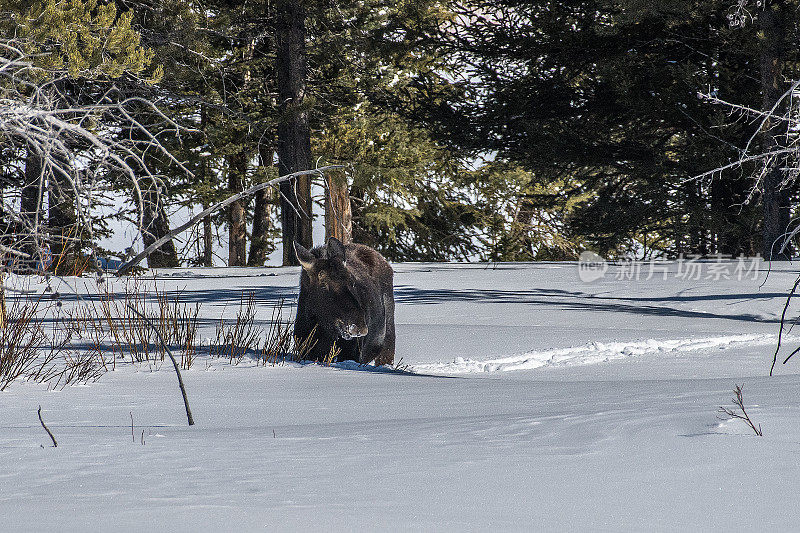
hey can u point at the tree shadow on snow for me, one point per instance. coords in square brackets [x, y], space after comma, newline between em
[261, 295]
[580, 301]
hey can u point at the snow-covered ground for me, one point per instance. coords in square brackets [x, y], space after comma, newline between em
[540, 402]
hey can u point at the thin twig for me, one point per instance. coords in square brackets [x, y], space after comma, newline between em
[172, 358]
[780, 331]
[791, 354]
[55, 444]
[738, 401]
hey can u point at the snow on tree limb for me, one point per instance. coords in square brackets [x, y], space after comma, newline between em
[12, 251]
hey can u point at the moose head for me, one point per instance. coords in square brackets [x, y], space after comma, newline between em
[332, 290]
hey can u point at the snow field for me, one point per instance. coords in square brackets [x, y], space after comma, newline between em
[573, 407]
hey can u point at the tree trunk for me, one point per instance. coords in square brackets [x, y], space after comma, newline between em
[697, 223]
[775, 197]
[527, 210]
[156, 225]
[338, 214]
[259, 237]
[62, 216]
[4, 220]
[208, 257]
[237, 221]
[294, 136]
[62, 223]
[3, 312]
[155, 221]
[359, 230]
[723, 216]
[31, 205]
[205, 177]
[724, 191]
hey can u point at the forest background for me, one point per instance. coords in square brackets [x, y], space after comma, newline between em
[480, 131]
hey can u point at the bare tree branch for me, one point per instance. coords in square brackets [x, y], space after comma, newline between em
[80, 146]
[783, 321]
[125, 267]
[11, 251]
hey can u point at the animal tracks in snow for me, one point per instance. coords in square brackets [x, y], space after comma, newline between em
[593, 353]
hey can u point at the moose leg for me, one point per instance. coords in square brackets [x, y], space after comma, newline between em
[385, 355]
[380, 349]
[348, 350]
[369, 351]
[372, 344]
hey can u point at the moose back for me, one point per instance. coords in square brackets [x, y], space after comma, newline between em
[346, 292]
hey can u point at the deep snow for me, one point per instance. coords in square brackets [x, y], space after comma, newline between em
[542, 403]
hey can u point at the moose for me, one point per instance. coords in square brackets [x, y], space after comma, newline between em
[346, 297]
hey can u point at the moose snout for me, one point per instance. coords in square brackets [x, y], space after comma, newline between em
[349, 330]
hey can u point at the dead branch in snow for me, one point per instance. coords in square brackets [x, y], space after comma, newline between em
[738, 401]
[174, 363]
[39, 412]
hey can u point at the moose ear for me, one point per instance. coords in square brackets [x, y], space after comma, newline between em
[335, 249]
[304, 256]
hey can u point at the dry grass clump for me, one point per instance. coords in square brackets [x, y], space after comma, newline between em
[331, 356]
[45, 342]
[115, 322]
[29, 351]
[280, 344]
[235, 339]
[302, 347]
[278, 341]
[177, 323]
[22, 337]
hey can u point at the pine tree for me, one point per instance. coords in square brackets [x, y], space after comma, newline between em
[294, 135]
[409, 194]
[599, 99]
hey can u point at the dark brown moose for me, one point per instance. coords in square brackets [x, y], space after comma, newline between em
[346, 293]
